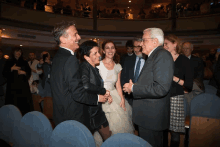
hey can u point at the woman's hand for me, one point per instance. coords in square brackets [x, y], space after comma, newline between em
[122, 104]
[175, 79]
[21, 72]
[110, 99]
[107, 93]
[14, 67]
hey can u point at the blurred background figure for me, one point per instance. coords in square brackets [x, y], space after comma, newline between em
[45, 65]
[130, 51]
[41, 5]
[18, 72]
[2, 80]
[196, 63]
[86, 10]
[33, 65]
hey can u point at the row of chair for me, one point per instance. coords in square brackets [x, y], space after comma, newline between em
[34, 129]
[204, 127]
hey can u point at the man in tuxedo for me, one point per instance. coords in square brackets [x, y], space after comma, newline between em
[69, 97]
[151, 92]
[132, 67]
[129, 47]
[196, 62]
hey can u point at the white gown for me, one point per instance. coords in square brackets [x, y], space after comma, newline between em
[120, 121]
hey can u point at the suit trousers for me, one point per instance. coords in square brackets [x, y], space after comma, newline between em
[154, 138]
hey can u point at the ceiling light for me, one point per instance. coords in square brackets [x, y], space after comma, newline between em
[129, 1]
[128, 7]
[3, 29]
[21, 45]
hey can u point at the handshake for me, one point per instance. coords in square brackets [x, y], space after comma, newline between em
[106, 97]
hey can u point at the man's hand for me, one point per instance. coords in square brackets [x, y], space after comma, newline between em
[21, 72]
[127, 87]
[102, 98]
[41, 61]
[14, 67]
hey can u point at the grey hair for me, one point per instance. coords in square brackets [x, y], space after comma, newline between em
[191, 45]
[137, 38]
[156, 33]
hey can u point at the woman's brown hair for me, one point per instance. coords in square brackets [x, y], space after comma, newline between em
[116, 57]
[174, 39]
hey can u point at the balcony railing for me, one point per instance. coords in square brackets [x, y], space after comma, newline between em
[49, 18]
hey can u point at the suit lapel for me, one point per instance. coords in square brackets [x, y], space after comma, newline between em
[149, 59]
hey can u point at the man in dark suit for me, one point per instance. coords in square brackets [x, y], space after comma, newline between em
[130, 65]
[196, 62]
[129, 47]
[69, 97]
[151, 105]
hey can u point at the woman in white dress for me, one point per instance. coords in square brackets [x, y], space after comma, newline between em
[118, 113]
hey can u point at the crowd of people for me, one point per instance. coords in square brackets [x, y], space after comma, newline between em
[163, 11]
[140, 93]
[21, 78]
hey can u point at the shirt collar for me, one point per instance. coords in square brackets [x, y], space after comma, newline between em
[151, 52]
[68, 50]
[130, 54]
[189, 56]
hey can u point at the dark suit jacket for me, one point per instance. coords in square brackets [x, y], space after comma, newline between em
[123, 57]
[127, 72]
[197, 67]
[151, 105]
[69, 96]
[94, 86]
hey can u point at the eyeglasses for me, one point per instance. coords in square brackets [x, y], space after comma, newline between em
[136, 46]
[146, 39]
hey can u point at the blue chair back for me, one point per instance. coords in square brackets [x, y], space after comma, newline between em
[205, 105]
[125, 140]
[210, 89]
[71, 133]
[10, 117]
[34, 130]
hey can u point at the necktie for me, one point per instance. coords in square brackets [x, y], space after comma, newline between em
[136, 74]
[31, 62]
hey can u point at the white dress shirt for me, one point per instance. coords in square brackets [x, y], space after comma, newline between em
[68, 50]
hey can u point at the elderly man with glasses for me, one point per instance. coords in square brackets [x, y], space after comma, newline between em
[151, 91]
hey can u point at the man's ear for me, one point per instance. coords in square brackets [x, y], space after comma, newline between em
[63, 39]
[86, 58]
